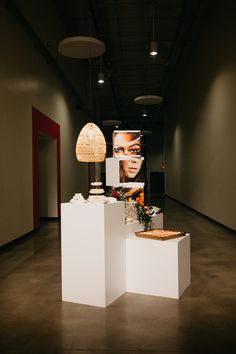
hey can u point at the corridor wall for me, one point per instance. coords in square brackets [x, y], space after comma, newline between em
[200, 134]
[27, 81]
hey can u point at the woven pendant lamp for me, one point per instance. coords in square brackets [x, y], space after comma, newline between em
[91, 144]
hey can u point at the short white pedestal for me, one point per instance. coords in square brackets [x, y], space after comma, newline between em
[93, 253]
[160, 268]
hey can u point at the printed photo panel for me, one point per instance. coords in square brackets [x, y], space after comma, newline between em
[131, 171]
[132, 193]
[126, 143]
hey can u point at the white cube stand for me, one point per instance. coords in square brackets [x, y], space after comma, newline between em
[102, 258]
[155, 267]
[93, 252]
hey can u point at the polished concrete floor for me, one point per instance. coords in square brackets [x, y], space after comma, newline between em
[34, 320]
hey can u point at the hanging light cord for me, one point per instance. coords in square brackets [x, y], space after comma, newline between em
[153, 23]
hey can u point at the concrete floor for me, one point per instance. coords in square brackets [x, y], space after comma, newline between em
[34, 320]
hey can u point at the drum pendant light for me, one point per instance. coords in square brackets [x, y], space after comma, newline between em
[81, 47]
[91, 144]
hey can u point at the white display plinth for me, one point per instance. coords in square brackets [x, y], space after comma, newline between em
[102, 258]
[160, 268]
[93, 252]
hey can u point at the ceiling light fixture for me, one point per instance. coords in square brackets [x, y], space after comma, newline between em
[144, 114]
[153, 43]
[91, 144]
[101, 78]
[101, 74]
[146, 132]
[112, 122]
[81, 47]
[153, 48]
[148, 99]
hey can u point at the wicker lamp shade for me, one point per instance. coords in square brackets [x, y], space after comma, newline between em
[91, 144]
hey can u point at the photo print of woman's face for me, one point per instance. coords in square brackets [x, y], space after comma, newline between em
[132, 170]
[127, 142]
[133, 192]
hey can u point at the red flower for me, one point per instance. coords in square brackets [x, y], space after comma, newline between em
[115, 194]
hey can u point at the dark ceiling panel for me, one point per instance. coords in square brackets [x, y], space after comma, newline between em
[126, 27]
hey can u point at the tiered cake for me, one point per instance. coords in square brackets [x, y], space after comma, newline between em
[96, 189]
[96, 192]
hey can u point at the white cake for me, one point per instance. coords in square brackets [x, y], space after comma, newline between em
[96, 184]
[96, 189]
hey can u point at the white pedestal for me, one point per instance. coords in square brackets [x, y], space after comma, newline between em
[93, 253]
[102, 258]
[160, 268]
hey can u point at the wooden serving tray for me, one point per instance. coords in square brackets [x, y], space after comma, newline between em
[160, 234]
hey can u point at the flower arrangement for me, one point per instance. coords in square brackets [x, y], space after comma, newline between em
[117, 194]
[145, 212]
[136, 209]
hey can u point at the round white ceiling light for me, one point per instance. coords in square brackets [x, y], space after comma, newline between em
[81, 47]
[111, 122]
[148, 99]
[146, 132]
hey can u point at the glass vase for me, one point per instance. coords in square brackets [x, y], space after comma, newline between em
[147, 225]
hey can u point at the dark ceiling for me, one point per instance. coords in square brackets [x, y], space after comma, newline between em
[126, 27]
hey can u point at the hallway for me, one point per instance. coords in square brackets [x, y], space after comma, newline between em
[34, 320]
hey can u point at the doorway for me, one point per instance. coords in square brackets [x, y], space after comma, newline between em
[46, 167]
[47, 176]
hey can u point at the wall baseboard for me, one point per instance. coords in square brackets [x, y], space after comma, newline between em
[201, 214]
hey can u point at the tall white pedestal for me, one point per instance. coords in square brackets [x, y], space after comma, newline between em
[93, 253]
[160, 268]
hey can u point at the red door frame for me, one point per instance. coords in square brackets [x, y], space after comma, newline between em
[41, 123]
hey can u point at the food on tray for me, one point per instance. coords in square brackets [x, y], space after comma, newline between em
[160, 234]
[163, 233]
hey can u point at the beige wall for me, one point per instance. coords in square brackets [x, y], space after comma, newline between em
[27, 80]
[201, 124]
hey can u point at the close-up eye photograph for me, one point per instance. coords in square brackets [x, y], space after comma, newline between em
[126, 143]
